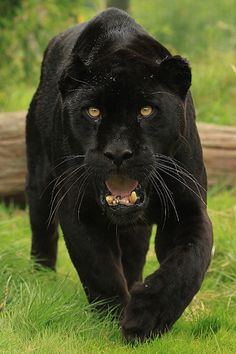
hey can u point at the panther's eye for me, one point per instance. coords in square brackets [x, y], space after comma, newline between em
[146, 111]
[94, 112]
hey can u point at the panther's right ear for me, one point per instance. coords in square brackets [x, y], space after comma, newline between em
[71, 76]
[175, 73]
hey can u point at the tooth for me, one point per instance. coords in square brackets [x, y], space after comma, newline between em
[124, 201]
[133, 197]
[109, 199]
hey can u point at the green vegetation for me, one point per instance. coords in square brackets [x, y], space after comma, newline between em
[202, 31]
[24, 36]
[205, 33]
[47, 312]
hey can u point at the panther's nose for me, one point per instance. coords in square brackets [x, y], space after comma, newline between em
[118, 155]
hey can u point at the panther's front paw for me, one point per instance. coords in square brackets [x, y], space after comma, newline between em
[143, 317]
[137, 324]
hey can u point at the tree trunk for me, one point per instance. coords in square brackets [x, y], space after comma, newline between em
[120, 4]
[219, 149]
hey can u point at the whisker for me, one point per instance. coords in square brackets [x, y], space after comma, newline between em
[82, 197]
[162, 197]
[80, 81]
[197, 185]
[179, 180]
[181, 168]
[83, 186]
[167, 191]
[56, 179]
[60, 181]
[54, 210]
[68, 158]
[159, 192]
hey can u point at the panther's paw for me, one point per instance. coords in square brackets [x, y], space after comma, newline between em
[143, 316]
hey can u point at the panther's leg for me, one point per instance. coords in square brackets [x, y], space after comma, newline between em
[39, 190]
[134, 243]
[44, 236]
[184, 251]
[95, 253]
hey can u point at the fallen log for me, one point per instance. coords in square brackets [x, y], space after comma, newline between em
[12, 153]
[219, 149]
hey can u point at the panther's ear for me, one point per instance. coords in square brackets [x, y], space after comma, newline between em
[71, 76]
[175, 73]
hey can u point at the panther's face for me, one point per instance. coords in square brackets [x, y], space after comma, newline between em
[121, 115]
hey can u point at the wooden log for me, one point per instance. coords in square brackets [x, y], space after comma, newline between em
[12, 153]
[219, 149]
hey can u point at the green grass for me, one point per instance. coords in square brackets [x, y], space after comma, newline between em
[47, 312]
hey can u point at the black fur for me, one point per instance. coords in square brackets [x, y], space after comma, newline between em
[113, 64]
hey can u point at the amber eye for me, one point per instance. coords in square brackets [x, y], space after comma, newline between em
[146, 111]
[94, 112]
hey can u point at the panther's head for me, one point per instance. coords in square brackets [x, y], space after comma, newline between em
[122, 111]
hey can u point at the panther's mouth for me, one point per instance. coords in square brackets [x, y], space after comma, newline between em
[123, 191]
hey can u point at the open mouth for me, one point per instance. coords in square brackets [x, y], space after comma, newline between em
[123, 191]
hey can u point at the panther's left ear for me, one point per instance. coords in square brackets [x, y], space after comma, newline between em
[175, 73]
[71, 75]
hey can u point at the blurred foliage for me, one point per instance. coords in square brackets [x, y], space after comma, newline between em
[8, 10]
[25, 36]
[205, 33]
[191, 27]
[202, 31]
[120, 4]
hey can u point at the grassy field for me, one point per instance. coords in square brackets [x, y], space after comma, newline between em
[47, 312]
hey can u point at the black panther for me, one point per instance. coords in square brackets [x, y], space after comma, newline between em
[113, 149]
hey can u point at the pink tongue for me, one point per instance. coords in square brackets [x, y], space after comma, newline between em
[120, 185]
